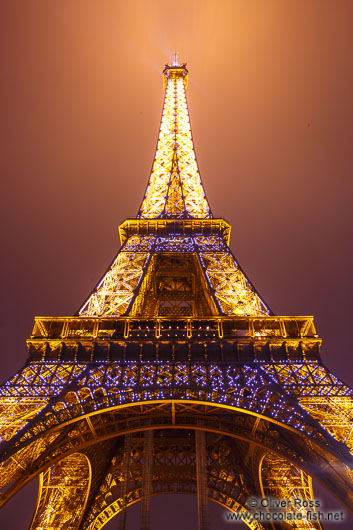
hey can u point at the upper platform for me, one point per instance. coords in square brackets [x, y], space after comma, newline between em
[175, 71]
[174, 227]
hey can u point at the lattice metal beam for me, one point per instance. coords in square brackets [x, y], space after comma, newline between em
[147, 481]
[125, 476]
[64, 489]
[201, 472]
[283, 480]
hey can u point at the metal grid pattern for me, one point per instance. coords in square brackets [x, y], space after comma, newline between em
[63, 493]
[281, 479]
[231, 290]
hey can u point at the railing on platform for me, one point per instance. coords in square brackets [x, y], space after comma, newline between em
[169, 328]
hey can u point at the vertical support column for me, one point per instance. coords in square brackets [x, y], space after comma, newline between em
[201, 471]
[147, 480]
[125, 481]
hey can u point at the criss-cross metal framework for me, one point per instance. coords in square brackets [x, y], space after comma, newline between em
[174, 376]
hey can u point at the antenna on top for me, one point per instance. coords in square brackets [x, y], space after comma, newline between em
[175, 62]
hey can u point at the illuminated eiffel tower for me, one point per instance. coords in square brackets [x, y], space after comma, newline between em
[174, 376]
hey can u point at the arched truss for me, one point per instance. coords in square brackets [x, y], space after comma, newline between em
[281, 479]
[283, 392]
[115, 509]
[63, 493]
[230, 483]
[315, 455]
[173, 471]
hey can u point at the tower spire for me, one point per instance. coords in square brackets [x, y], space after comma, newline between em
[175, 188]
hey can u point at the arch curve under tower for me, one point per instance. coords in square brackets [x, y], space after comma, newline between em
[259, 431]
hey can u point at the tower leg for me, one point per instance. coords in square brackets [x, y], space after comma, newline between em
[201, 471]
[63, 493]
[125, 480]
[147, 481]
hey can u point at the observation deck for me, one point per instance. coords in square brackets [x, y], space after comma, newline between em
[238, 339]
[175, 227]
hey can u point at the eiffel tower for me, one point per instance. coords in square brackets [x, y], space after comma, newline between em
[174, 376]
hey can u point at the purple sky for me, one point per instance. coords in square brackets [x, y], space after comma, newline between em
[270, 98]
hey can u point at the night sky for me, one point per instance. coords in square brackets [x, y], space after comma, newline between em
[270, 99]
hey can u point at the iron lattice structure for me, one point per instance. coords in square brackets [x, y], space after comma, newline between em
[174, 376]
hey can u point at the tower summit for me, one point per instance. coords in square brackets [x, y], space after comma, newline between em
[174, 376]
